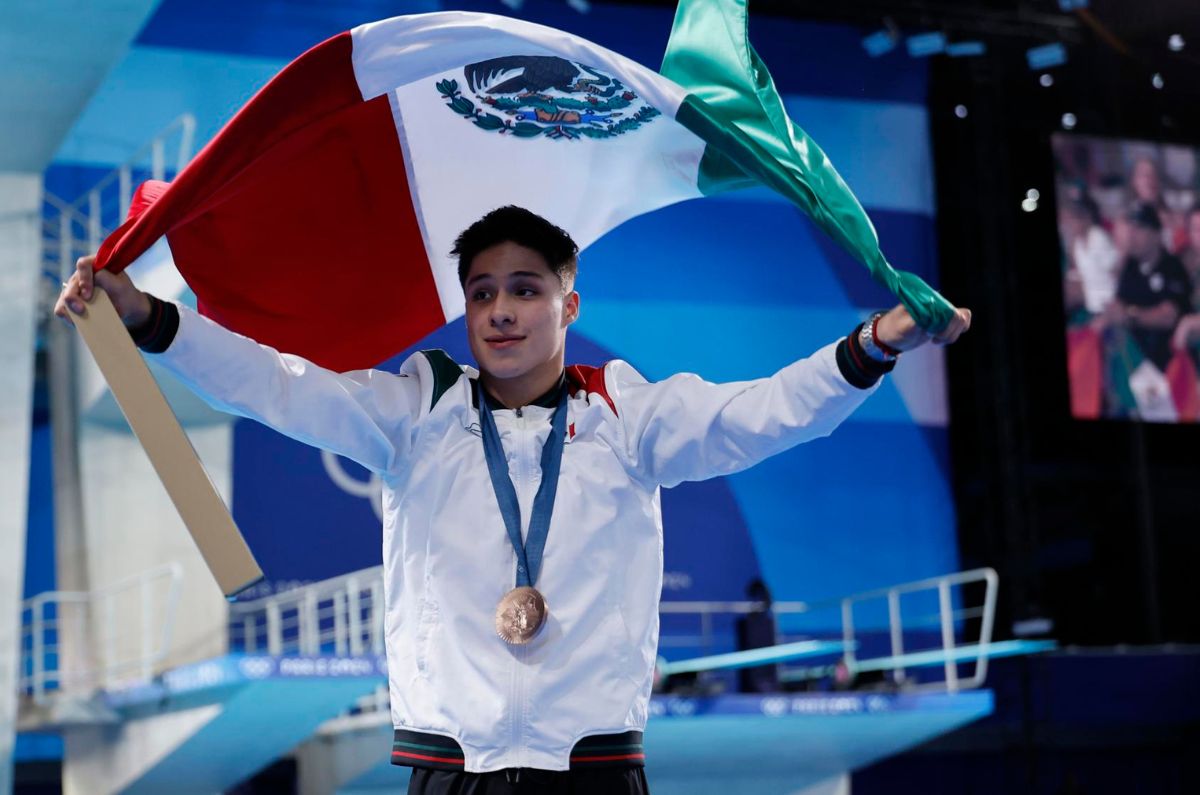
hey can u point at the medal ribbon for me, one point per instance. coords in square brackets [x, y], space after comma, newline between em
[529, 554]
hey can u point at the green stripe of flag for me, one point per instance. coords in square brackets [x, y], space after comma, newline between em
[734, 107]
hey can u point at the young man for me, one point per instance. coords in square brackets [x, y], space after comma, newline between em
[1153, 291]
[522, 532]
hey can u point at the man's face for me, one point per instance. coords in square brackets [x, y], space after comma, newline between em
[1146, 185]
[1144, 242]
[517, 312]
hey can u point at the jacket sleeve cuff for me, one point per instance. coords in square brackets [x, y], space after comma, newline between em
[158, 331]
[859, 369]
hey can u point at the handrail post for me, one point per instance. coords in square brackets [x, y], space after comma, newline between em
[94, 220]
[311, 623]
[339, 623]
[897, 632]
[249, 634]
[125, 186]
[38, 668]
[991, 580]
[274, 629]
[187, 133]
[354, 616]
[158, 166]
[65, 265]
[848, 633]
[947, 635]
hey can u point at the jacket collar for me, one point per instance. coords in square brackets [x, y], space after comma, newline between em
[547, 400]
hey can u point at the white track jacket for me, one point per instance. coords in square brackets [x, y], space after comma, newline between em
[460, 697]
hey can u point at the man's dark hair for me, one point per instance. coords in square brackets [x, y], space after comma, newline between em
[517, 225]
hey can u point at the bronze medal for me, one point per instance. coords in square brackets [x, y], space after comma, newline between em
[522, 612]
[520, 615]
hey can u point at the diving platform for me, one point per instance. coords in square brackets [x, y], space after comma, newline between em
[202, 728]
[307, 679]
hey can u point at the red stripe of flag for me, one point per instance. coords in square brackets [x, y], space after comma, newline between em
[1085, 368]
[1185, 391]
[295, 226]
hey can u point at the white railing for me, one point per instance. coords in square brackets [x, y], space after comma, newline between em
[342, 616]
[72, 229]
[950, 652]
[130, 626]
[948, 620]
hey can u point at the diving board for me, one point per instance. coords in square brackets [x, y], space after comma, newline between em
[748, 659]
[925, 659]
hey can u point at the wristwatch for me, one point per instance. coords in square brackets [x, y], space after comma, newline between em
[866, 338]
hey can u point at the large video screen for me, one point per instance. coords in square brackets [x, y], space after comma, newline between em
[1129, 224]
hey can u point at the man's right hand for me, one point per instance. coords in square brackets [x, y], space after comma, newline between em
[131, 303]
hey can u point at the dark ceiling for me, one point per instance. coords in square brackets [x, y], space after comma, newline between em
[1134, 32]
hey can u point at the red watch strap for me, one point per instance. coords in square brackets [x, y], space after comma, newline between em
[887, 349]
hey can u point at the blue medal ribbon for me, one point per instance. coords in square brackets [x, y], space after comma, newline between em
[529, 554]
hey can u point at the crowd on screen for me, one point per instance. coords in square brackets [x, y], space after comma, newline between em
[1129, 221]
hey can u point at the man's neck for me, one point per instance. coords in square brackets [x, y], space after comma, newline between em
[524, 389]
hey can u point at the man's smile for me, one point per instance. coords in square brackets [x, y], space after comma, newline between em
[502, 341]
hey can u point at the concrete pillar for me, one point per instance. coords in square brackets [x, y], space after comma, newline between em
[20, 257]
[132, 526]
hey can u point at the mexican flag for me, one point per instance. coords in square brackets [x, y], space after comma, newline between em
[1085, 369]
[320, 219]
[1185, 385]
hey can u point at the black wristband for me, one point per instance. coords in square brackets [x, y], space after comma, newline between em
[859, 369]
[155, 333]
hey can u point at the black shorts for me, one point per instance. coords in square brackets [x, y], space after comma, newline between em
[595, 781]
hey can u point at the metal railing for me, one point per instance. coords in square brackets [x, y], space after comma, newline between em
[948, 619]
[342, 616]
[72, 229]
[130, 626]
[951, 651]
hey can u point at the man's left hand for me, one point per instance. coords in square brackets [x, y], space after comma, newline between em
[898, 330]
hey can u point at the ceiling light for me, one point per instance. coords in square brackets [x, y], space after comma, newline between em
[879, 43]
[1046, 56]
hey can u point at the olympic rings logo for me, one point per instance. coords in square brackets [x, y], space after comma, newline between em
[371, 489]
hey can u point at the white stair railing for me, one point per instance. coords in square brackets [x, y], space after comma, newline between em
[339, 616]
[130, 624]
[73, 229]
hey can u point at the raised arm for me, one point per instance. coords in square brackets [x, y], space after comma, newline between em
[365, 415]
[685, 428]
